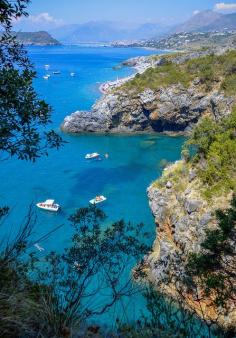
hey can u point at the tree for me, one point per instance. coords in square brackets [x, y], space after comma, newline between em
[214, 266]
[46, 298]
[23, 116]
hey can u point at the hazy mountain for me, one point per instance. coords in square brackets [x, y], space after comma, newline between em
[207, 21]
[199, 22]
[224, 22]
[105, 31]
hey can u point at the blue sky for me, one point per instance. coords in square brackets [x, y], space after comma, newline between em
[49, 13]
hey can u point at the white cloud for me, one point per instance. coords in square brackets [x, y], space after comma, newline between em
[42, 21]
[222, 6]
[43, 18]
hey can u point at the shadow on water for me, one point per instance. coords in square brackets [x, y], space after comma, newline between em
[99, 178]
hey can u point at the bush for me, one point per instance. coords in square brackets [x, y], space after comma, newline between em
[215, 149]
[213, 265]
[209, 69]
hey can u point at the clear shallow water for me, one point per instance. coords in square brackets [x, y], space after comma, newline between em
[65, 175]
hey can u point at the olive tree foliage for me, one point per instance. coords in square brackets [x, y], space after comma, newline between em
[95, 272]
[57, 295]
[23, 116]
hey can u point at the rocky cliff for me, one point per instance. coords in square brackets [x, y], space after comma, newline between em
[182, 217]
[174, 107]
[168, 109]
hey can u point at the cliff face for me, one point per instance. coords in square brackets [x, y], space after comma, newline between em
[175, 107]
[182, 217]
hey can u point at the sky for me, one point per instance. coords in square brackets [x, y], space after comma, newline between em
[49, 14]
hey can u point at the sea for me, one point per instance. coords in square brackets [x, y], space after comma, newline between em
[134, 161]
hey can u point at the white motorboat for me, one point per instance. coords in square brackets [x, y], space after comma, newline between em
[49, 205]
[46, 77]
[46, 67]
[57, 72]
[92, 156]
[98, 199]
[72, 74]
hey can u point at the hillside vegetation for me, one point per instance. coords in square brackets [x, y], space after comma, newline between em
[215, 160]
[211, 70]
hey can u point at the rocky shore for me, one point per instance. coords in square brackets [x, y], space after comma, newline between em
[181, 213]
[166, 109]
[140, 65]
[182, 216]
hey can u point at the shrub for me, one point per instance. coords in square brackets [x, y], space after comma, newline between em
[215, 145]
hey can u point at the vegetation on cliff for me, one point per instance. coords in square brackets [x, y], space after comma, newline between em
[213, 268]
[194, 207]
[215, 160]
[211, 70]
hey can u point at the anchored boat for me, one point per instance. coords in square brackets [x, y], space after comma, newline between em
[48, 205]
[92, 156]
[98, 199]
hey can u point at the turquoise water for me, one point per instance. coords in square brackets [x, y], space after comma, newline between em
[133, 163]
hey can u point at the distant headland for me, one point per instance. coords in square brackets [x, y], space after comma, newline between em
[40, 38]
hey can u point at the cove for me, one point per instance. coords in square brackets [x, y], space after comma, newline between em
[133, 163]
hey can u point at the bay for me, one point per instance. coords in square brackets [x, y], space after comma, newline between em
[133, 163]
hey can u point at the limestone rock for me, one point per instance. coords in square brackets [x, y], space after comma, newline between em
[174, 108]
[192, 205]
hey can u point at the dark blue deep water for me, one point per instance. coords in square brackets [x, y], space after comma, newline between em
[134, 161]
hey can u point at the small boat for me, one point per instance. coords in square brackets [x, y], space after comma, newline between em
[98, 199]
[46, 67]
[38, 247]
[72, 74]
[46, 77]
[57, 72]
[92, 156]
[48, 205]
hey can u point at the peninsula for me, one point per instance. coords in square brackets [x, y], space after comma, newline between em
[170, 94]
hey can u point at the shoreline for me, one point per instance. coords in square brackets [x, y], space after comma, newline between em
[140, 64]
[107, 86]
[130, 134]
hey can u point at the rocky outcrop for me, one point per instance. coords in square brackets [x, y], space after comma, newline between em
[182, 217]
[174, 108]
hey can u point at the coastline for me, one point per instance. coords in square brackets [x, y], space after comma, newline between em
[140, 64]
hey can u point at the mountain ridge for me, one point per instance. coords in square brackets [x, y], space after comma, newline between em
[108, 31]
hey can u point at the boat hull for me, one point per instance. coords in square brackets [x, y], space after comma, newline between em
[94, 201]
[92, 156]
[48, 208]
